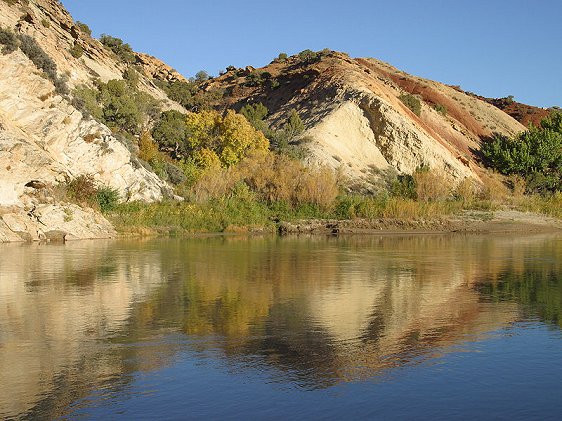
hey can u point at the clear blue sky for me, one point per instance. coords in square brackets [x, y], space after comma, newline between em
[492, 47]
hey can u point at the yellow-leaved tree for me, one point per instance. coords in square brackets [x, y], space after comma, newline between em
[214, 138]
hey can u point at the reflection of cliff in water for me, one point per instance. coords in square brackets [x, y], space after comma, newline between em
[85, 316]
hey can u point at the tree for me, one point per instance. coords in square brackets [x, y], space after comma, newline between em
[124, 107]
[171, 133]
[255, 114]
[120, 48]
[201, 76]
[230, 137]
[535, 154]
[294, 125]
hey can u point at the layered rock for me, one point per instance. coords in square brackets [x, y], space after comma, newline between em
[356, 123]
[44, 140]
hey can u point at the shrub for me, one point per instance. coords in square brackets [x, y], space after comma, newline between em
[294, 125]
[131, 76]
[84, 28]
[255, 114]
[430, 185]
[81, 189]
[120, 48]
[412, 102]
[175, 174]
[404, 185]
[36, 54]
[535, 154]
[181, 92]
[282, 57]
[107, 198]
[42, 61]
[255, 78]
[308, 56]
[8, 40]
[441, 109]
[45, 23]
[76, 50]
[85, 100]
[278, 178]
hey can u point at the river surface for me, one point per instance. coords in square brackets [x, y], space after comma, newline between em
[359, 327]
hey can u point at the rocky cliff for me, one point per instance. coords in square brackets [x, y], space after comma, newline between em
[43, 138]
[356, 120]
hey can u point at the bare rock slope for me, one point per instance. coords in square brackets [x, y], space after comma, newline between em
[43, 138]
[356, 122]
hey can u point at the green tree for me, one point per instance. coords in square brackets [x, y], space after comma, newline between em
[171, 133]
[120, 48]
[294, 125]
[535, 154]
[255, 114]
[201, 76]
[124, 107]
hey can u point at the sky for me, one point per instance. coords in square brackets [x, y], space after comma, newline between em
[494, 48]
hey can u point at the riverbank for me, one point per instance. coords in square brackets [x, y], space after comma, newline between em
[238, 217]
[504, 221]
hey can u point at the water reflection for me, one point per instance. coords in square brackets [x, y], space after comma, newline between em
[86, 316]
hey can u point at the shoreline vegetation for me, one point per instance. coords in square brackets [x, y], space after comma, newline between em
[352, 215]
[235, 173]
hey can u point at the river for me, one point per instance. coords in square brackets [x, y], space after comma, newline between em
[421, 326]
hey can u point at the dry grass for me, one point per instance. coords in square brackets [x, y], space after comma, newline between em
[431, 186]
[272, 178]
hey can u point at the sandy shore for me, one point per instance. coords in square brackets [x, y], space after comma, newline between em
[504, 221]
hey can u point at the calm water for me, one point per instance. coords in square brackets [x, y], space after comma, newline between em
[425, 327]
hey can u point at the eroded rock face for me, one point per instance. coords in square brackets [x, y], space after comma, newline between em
[44, 140]
[356, 123]
[50, 222]
[157, 69]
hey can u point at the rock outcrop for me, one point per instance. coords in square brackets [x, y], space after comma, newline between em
[44, 139]
[50, 222]
[356, 122]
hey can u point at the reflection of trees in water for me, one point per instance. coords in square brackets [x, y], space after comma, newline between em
[539, 292]
[268, 299]
[318, 310]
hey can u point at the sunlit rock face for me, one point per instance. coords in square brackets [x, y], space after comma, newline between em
[44, 139]
[75, 318]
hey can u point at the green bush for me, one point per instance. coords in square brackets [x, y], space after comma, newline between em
[181, 92]
[412, 102]
[120, 48]
[107, 198]
[282, 57]
[76, 50]
[255, 114]
[84, 28]
[42, 61]
[535, 154]
[441, 109]
[85, 100]
[8, 40]
[294, 125]
[308, 56]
